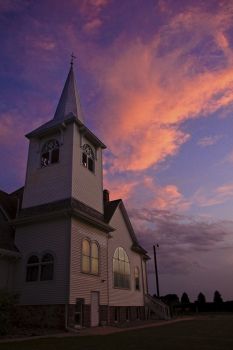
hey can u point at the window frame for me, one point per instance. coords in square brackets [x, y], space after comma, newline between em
[31, 265]
[51, 152]
[46, 263]
[91, 257]
[126, 285]
[40, 264]
[88, 152]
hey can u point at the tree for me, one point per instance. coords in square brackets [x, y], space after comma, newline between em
[170, 299]
[185, 299]
[201, 299]
[217, 297]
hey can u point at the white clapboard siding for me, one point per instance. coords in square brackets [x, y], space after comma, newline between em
[48, 236]
[81, 284]
[121, 238]
[53, 182]
[86, 185]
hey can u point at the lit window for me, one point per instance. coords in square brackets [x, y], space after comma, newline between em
[50, 153]
[90, 257]
[88, 158]
[136, 278]
[47, 264]
[121, 269]
[32, 269]
[86, 254]
[94, 258]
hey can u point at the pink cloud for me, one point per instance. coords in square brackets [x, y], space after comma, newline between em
[148, 95]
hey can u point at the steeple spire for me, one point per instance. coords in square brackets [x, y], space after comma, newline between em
[69, 102]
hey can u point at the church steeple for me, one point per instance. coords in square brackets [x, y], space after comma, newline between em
[69, 102]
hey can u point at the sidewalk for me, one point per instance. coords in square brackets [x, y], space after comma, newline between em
[105, 330]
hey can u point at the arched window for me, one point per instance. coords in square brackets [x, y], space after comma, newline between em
[88, 158]
[47, 267]
[136, 278]
[90, 257]
[94, 258]
[32, 269]
[121, 269]
[50, 153]
[86, 255]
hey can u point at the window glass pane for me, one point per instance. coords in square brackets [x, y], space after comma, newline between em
[121, 269]
[85, 263]
[45, 159]
[46, 273]
[121, 254]
[55, 156]
[32, 273]
[94, 250]
[84, 159]
[33, 259]
[95, 266]
[90, 164]
[86, 248]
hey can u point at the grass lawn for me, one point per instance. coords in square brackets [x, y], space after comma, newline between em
[209, 334]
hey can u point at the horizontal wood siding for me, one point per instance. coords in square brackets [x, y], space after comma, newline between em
[121, 238]
[81, 284]
[87, 186]
[53, 182]
[51, 236]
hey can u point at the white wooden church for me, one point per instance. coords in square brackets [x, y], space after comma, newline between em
[69, 252]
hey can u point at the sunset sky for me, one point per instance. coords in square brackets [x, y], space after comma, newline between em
[156, 84]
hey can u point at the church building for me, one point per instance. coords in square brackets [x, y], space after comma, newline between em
[66, 249]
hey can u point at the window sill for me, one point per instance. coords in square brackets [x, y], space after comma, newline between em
[91, 274]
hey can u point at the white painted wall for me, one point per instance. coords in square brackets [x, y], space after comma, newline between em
[53, 182]
[52, 236]
[81, 284]
[121, 238]
[86, 185]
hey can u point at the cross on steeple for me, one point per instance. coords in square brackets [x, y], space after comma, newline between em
[72, 59]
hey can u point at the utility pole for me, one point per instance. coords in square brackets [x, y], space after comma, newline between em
[156, 270]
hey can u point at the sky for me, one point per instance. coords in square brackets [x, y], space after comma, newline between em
[156, 84]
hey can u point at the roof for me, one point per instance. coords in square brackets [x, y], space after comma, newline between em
[68, 111]
[109, 210]
[70, 206]
[69, 101]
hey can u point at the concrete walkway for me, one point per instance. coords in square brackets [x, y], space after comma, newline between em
[100, 330]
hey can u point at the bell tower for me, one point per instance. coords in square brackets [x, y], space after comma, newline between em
[65, 157]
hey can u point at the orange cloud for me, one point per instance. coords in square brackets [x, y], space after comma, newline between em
[151, 90]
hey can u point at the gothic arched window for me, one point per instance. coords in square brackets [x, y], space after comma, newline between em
[121, 269]
[32, 269]
[50, 153]
[90, 257]
[47, 266]
[88, 158]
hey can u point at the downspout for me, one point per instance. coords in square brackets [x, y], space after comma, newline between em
[108, 317]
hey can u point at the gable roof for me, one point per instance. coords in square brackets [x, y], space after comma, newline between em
[109, 210]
